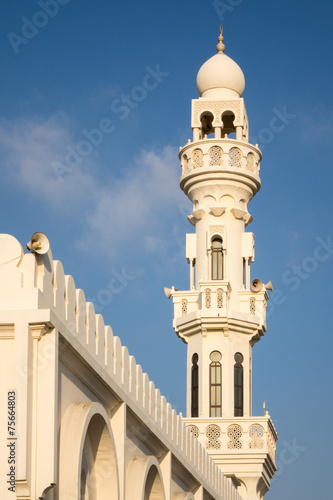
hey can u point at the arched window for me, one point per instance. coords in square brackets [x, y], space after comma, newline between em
[206, 119]
[228, 123]
[217, 258]
[195, 386]
[238, 385]
[215, 382]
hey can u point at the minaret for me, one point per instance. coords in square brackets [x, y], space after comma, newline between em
[223, 314]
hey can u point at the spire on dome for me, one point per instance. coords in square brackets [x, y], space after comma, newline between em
[220, 47]
[220, 76]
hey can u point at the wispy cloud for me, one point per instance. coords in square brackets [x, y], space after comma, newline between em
[29, 146]
[135, 209]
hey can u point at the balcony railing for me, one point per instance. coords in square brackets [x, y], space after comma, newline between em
[222, 154]
[212, 299]
[238, 435]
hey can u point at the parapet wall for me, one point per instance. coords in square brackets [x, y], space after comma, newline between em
[30, 282]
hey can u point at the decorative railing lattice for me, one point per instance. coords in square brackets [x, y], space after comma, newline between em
[230, 436]
[218, 157]
[256, 433]
[208, 298]
[213, 433]
[234, 434]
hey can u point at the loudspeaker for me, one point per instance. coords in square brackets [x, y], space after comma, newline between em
[256, 285]
[269, 286]
[168, 291]
[39, 243]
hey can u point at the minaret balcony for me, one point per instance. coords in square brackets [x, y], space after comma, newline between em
[214, 297]
[196, 311]
[239, 441]
[228, 159]
[210, 301]
[255, 304]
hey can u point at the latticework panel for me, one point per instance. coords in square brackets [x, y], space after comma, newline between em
[184, 306]
[250, 162]
[256, 433]
[215, 156]
[208, 298]
[213, 433]
[234, 434]
[252, 305]
[195, 430]
[271, 445]
[219, 298]
[197, 158]
[235, 157]
[216, 230]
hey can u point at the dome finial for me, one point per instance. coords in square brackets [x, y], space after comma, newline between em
[220, 47]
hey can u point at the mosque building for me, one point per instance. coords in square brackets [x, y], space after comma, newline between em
[79, 419]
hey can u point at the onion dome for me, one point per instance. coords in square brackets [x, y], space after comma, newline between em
[220, 76]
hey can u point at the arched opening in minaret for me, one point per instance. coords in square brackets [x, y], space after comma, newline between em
[215, 384]
[217, 258]
[195, 386]
[228, 127]
[238, 385]
[207, 128]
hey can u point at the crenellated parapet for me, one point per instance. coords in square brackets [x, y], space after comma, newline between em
[50, 322]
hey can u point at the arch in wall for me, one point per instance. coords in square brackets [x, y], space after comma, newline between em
[87, 466]
[195, 386]
[228, 119]
[217, 268]
[144, 479]
[238, 385]
[206, 121]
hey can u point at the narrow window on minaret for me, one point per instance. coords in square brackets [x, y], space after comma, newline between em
[215, 382]
[217, 259]
[238, 384]
[195, 386]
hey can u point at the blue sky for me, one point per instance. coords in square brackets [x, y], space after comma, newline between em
[117, 209]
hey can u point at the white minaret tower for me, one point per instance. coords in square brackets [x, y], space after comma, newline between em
[223, 314]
